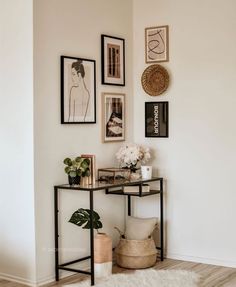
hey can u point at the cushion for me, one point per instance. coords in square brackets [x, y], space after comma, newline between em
[139, 228]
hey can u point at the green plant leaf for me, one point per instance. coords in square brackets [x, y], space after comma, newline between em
[95, 214]
[79, 172]
[97, 224]
[78, 159]
[67, 169]
[81, 217]
[72, 173]
[84, 164]
[67, 161]
[87, 172]
[87, 161]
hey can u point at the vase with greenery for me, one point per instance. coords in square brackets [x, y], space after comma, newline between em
[102, 241]
[76, 168]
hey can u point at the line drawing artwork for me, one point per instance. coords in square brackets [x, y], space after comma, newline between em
[157, 44]
[79, 96]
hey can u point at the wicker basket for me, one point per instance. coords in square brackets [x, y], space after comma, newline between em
[136, 254]
[155, 80]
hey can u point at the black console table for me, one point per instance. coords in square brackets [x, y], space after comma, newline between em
[110, 188]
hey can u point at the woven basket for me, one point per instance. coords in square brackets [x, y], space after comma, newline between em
[136, 254]
[155, 80]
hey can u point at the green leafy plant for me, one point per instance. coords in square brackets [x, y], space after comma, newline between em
[81, 217]
[77, 167]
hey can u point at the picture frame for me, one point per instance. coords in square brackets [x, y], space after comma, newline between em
[113, 60]
[113, 117]
[157, 119]
[157, 44]
[78, 90]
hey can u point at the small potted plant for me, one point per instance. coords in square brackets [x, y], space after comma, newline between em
[102, 242]
[76, 168]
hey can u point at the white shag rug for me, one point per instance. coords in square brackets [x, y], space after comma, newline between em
[147, 278]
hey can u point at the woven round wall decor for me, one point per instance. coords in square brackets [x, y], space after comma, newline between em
[155, 80]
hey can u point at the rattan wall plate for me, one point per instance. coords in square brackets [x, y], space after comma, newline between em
[155, 80]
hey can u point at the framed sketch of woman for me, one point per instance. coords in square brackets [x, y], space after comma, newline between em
[78, 90]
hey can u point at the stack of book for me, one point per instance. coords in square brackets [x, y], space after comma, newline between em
[89, 180]
[135, 188]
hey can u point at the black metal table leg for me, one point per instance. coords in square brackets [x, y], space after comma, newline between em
[56, 233]
[161, 220]
[129, 205]
[91, 237]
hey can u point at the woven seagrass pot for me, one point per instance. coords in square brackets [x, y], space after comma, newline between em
[136, 254]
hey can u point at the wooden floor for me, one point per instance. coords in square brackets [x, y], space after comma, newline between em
[212, 276]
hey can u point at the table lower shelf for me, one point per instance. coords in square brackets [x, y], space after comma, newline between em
[142, 194]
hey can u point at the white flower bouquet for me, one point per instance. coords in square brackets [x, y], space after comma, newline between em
[129, 155]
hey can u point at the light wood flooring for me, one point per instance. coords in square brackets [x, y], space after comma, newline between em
[212, 276]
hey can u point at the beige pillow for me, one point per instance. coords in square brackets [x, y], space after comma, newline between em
[139, 228]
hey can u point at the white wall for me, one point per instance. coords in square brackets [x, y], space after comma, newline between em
[198, 159]
[17, 234]
[73, 28]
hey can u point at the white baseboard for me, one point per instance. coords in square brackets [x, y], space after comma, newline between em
[40, 282]
[17, 279]
[211, 261]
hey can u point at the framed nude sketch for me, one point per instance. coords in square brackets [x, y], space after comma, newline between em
[78, 90]
[113, 117]
[156, 119]
[157, 44]
[113, 60]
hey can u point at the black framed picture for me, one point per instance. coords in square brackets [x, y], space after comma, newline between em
[113, 60]
[156, 119]
[78, 90]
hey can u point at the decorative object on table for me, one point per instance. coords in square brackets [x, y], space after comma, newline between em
[147, 278]
[155, 80]
[136, 248]
[113, 174]
[156, 119]
[113, 117]
[113, 60]
[130, 156]
[92, 167]
[102, 242]
[157, 44]
[78, 90]
[146, 171]
[134, 189]
[76, 168]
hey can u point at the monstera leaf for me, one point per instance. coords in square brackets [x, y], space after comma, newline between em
[81, 217]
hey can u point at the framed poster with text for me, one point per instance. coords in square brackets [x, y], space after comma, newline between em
[156, 119]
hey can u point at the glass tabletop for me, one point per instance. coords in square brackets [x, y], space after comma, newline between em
[99, 185]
